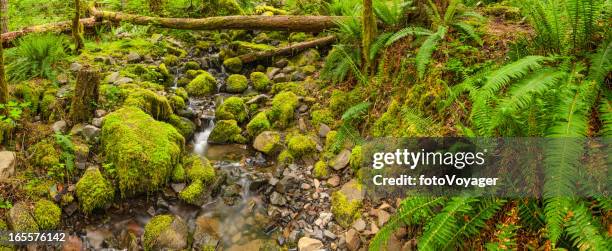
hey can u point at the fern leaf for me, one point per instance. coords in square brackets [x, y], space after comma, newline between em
[469, 30]
[485, 210]
[426, 50]
[408, 31]
[440, 229]
[522, 93]
[600, 63]
[355, 112]
[585, 231]
[605, 111]
[501, 77]
[378, 44]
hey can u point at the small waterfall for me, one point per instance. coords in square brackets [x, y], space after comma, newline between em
[200, 139]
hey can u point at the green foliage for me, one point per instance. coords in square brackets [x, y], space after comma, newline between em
[47, 215]
[36, 56]
[585, 231]
[506, 238]
[94, 191]
[283, 109]
[426, 50]
[63, 170]
[445, 224]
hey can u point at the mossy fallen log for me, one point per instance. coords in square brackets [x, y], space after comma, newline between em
[282, 22]
[287, 50]
[9, 37]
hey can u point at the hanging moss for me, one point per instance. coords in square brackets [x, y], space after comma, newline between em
[260, 81]
[143, 150]
[177, 103]
[226, 131]
[232, 108]
[283, 108]
[47, 215]
[94, 191]
[155, 105]
[178, 174]
[258, 124]
[204, 84]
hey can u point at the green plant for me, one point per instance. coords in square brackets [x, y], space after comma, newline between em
[5, 203]
[10, 113]
[36, 56]
[67, 157]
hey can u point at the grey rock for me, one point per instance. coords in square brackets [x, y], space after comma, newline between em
[288, 69]
[90, 132]
[76, 67]
[123, 80]
[59, 126]
[113, 77]
[7, 164]
[281, 63]
[97, 122]
[323, 130]
[341, 160]
[272, 71]
[359, 225]
[281, 77]
[309, 244]
[134, 57]
[100, 113]
[277, 199]
[267, 142]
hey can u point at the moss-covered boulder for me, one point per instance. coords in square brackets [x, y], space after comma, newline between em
[260, 81]
[192, 65]
[177, 102]
[198, 168]
[166, 232]
[20, 219]
[307, 57]
[155, 105]
[185, 126]
[47, 215]
[322, 116]
[226, 131]
[233, 108]
[202, 85]
[268, 142]
[194, 193]
[320, 169]
[44, 155]
[233, 64]
[301, 145]
[347, 202]
[356, 158]
[258, 124]
[283, 109]
[236, 83]
[94, 191]
[339, 102]
[285, 157]
[143, 150]
[178, 174]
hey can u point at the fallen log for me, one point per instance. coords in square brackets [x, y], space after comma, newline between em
[283, 23]
[66, 26]
[288, 50]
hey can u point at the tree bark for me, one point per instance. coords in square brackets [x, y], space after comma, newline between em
[3, 82]
[65, 26]
[287, 23]
[77, 28]
[85, 95]
[288, 50]
[4, 17]
[369, 32]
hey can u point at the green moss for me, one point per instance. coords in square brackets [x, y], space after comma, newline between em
[345, 211]
[283, 108]
[247, 47]
[171, 60]
[258, 124]
[356, 158]
[194, 73]
[236, 83]
[320, 169]
[226, 131]
[204, 84]
[47, 215]
[177, 103]
[260, 81]
[323, 116]
[143, 72]
[192, 65]
[232, 108]
[3, 225]
[339, 102]
[167, 75]
[308, 69]
[155, 105]
[233, 64]
[45, 155]
[181, 92]
[192, 193]
[48, 104]
[157, 226]
[94, 191]
[143, 150]
[199, 169]
[298, 37]
[20, 218]
[307, 57]
[301, 145]
[178, 174]
[295, 87]
[285, 157]
[182, 125]
[261, 9]
[388, 122]
[330, 142]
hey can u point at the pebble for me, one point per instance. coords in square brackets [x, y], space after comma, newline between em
[305, 186]
[334, 181]
[359, 225]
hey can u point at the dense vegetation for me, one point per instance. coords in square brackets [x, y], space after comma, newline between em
[398, 68]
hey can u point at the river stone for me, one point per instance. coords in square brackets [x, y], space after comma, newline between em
[359, 225]
[323, 130]
[172, 237]
[352, 240]
[351, 191]
[267, 142]
[309, 244]
[123, 80]
[281, 63]
[206, 235]
[20, 219]
[90, 132]
[341, 160]
[7, 164]
[277, 199]
[59, 126]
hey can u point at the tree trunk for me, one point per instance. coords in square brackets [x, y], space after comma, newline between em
[287, 23]
[369, 32]
[156, 6]
[288, 50]
[4, 17]
[85, 95]
[65, 26]
[3, 83]
[77, 28]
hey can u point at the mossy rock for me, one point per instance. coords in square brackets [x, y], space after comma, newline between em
[268, 142]
[301, 145]
[233, 108]
[185, 126]
[389, 122]
[181, 92]
[204, 84]
[192, 65]
[285, 157]
[20, 218]
[198, 168]
[223, 8]
[283, 109]
[177, 102]
[339, 102]
[143, 150]
[322, 116]
[320, 170]
[165, 232]
[260, 81]
[298, 37]
[45, 155]
[143, 72]
[233, 64]
[236, 83]
[307, 57]
[49, 104]
[163, 69]
[295, 87]
[356, 158]
[94, 191]
[47, 215]
[226, 131]
[171, 60]
[258, 124]
[3, 225]
[194, 193]
[155, 105]
[347, 202]
[243, 47]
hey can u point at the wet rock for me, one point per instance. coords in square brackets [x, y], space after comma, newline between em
[281, 63]
[267, 142]
[297, 76]
[59, 126]
[73, 243]
[288, 69]
[166, 232]
[309, 244]
[281, 77]
[206, 234]
[359, 225]
[7, 164]
[277, 199]
[90, 132]
[334, 181]
[341, 160]
[352, 240]
[134, 57]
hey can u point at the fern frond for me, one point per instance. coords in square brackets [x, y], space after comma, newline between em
[451, 9]
[378, 44]
[470, 31]
[412, 210]
[355, 112]
[426, 50]
[600, 63]
[440, 229]
[585, 231]
[531, 214]
[522, 93]
[484, 211]
[408, 31]
[605, 111]
[501, 77]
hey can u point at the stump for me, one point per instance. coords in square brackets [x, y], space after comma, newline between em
[85, 97]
